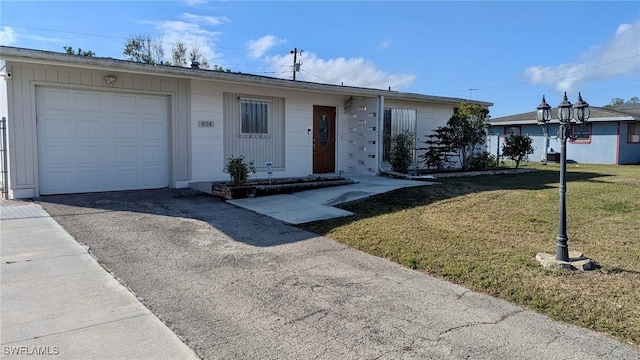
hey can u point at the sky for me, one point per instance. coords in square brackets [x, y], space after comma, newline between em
[509, 53]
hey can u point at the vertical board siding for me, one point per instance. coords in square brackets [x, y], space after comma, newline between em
[22, 120]
[258, 149]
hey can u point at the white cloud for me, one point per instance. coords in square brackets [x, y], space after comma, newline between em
[350, 72]
[192, 30]
[7, 36]
[258, 47]
[620, 56]
[208, 20]
[45, 38]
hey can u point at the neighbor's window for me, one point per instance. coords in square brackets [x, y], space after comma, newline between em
[581, 133]
[255, 116]
[512, 130]
[633, 132]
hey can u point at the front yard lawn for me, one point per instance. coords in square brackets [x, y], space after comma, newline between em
[484, 232]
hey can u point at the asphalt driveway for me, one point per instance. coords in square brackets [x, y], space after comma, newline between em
[237, 285]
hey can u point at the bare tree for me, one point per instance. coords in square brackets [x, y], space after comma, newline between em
[142, 48]
[179, 54]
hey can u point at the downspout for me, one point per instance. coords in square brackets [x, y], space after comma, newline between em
[380, 127]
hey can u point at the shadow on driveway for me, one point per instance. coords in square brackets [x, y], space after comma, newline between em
[238, 224]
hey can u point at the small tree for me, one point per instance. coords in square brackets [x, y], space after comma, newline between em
[438, 153]
[517, 147]
[401, 154]
[467, 130]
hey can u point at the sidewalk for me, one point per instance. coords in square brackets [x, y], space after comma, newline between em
[55, 299]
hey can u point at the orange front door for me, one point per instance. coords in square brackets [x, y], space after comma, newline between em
[324, 139]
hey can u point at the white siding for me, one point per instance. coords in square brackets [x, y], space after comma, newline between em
[429, 117]
[208, 143]
[23, 157]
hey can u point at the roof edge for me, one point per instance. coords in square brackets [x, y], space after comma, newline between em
[56, 58]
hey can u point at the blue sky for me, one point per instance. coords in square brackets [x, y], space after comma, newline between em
[509, 52]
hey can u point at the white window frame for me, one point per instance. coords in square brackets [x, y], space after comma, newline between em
[255, 128]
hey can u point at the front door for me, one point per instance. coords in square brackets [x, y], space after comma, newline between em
[324, 139]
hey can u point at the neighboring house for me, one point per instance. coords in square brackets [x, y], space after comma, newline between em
[88, 124]
[611, 136]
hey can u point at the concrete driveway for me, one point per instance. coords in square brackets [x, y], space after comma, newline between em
[237, 285]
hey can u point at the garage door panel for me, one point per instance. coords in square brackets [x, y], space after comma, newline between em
[57, 155]
[152, 106]
[153, 131]
[88, 180]
[87, 102]
[54, 100]
[126, 154]
[96, 146]
[125, 104]
[151, 176]
[153, 154]
[88, 129]
[59, 181]
[88, 154]
[126, 178]
[55, 127]
[126, 130]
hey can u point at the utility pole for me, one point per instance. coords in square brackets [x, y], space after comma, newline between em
[470, 90]
[296, 65]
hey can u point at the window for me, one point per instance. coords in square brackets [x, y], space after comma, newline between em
[581, 133]
[396, 121]
[633, 132]
[255, 116]
[512, 130]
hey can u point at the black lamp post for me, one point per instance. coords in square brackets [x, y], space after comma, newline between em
[566, 111]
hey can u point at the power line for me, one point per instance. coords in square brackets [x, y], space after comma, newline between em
[122, 38]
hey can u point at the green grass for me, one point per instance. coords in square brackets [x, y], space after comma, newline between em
[484, 232]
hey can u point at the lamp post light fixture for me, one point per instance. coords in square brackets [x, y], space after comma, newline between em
[566, 112]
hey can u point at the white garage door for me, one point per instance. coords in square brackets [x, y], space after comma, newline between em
[101, 141]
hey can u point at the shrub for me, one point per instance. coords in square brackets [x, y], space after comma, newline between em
[401, 155]
[517, 147]
[481, 161]
[239, 170]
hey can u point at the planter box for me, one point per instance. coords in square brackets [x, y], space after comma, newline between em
[275, 186]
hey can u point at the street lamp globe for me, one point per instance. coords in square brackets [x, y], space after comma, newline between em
[543, 112]
[581, 110]
[565, 110]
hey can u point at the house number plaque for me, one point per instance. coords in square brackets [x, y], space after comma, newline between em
[206, 124]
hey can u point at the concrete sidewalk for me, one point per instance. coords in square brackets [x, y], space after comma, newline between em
[55, 299]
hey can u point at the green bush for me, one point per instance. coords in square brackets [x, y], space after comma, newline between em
[401, 155]
[517, 147]
[481, 161]
[239, 170]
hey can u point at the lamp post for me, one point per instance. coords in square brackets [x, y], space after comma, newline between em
[566, 112]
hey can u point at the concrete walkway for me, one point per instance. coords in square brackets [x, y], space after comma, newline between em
[312, 205]
[55, 299]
